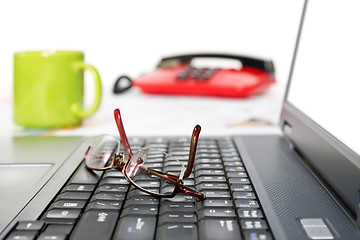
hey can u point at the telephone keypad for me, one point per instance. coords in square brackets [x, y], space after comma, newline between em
[198, 74]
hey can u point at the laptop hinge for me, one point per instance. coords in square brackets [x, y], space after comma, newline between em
[287, 130]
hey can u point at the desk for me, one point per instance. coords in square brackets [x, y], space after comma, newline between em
[162, 115]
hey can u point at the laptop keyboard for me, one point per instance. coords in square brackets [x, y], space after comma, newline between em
[103, 205]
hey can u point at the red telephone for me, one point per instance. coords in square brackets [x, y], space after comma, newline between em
[177, 75]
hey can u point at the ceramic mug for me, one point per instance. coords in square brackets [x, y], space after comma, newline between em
[48, 89]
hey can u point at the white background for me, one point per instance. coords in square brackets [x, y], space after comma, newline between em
[130, 37]
[326, 78]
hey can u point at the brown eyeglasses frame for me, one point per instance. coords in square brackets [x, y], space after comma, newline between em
[120, 164]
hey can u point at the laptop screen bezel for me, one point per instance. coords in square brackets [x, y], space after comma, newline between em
[333, 163]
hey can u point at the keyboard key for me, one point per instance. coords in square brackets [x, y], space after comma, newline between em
[219, 229]
[146, 177]
[176, 217]
[95, 224]
[52, 236]
[231, 154]
[180, 207]
[59, 228]
[142, 200]
[241, 203]
[174, 163]
[234, 169]
[212, 186]
[214, 203]
[189, 182]
[239, 180]
[140, 210]
[257, 234]
[217, 194]
[216, 213]
[207, 160]
[116, 181]
[208, 166]
[210, 172]
[173, 168]
[137, 192]
[210, 179]
[253, 224]
[249, 213]
[181, 198]
[62, 216]
[69, 204]
[149, 184]
[208, 155]
[179, 231]
[30, 225]
[156, 161]
[236, 174]
[109, 196]
[137, 228]
[80, 187]
[244, 195]
[74, 196]
[241, 188]
[205, 149]
[232, 163]
[231, 158]
[113, 173]
[22, 235]
[105, 204]
[118, 188]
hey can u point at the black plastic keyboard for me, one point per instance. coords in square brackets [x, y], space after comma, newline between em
[103, 205]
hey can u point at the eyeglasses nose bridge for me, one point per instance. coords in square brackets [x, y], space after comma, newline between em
[118, 161]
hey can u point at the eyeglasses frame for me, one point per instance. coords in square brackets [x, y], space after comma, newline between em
[118, 162]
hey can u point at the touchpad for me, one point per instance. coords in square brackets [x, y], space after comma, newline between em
[20, 180]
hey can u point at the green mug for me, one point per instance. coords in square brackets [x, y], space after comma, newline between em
[49, 89]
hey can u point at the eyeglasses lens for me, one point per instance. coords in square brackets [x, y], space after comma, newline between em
[100, 152]
[149, 158]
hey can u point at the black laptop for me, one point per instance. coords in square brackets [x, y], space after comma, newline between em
[302, 184]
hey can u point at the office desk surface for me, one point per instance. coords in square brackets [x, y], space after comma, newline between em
[146, 115]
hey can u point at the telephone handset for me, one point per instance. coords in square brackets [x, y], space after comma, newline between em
[179, 75]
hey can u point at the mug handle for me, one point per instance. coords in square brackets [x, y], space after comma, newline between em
[76, 108]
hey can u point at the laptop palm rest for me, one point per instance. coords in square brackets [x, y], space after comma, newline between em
[288, 191]
[26, 165]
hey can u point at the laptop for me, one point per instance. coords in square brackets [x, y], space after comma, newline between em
[302, 184]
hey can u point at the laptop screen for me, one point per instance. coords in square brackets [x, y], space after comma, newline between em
[325, 82]
[320, 116]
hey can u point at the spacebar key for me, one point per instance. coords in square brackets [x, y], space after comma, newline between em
[135, 227]
[95, 224]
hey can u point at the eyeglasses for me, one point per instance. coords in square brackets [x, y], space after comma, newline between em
[137, 168]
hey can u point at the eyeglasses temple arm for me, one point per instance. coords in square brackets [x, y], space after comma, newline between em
[161, 176]
[185, 188]
[121, 129]
[193, 146]
[193, 192]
